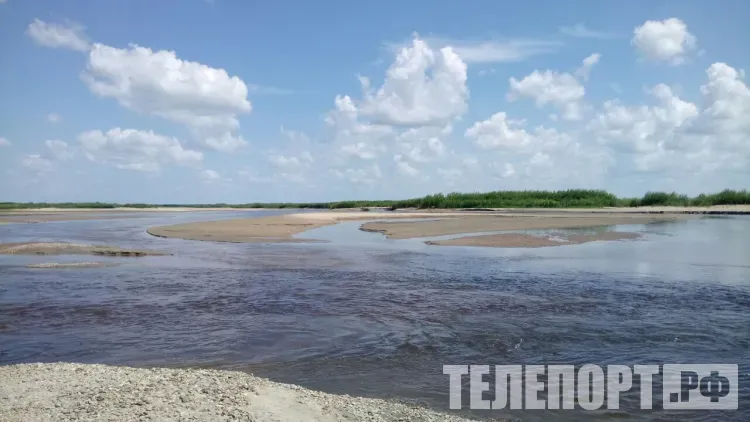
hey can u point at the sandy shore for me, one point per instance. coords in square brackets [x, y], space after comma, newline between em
[75, 392]
[64, 248]
[521, 240]
[282, 228]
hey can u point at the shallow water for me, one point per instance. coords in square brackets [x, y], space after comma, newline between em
[369, 316]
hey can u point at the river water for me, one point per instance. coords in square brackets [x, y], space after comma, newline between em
[373, 317]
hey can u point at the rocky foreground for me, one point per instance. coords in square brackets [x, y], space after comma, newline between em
[76, 392]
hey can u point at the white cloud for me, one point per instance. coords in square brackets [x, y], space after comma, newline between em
[496, 51]
[54, 118]
[364, 176]
[361, 150]
[292, 162]
[207, 100]
[37, 163]
[422, 87]
[587, 64]
[69, 35]
[4, 142]
[295, 136]
[643, 128]
[580, 30]
[667, 40]
[131, 149]
[499, 132]
[59, 149]
[562, 90]
[450, 175]
[210, 175]
[404, 167]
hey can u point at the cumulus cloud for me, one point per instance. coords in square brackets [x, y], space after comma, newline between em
[563, 90]
[643, 128]
[4, 142]
[668, 40]
[69, 35]
[422, 87]
[363, 176]
[37, 163]
[404, 167]
[361, 150]
[131, 149]
[59, 149]
[303, 160]
[205, 99]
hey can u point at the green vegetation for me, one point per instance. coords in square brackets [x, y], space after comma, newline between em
[574, 198]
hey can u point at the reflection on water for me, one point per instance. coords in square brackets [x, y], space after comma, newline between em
[370, 316]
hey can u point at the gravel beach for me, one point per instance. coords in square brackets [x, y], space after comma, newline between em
[78, 392]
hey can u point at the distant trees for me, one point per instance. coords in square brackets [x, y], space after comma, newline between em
[572, 198]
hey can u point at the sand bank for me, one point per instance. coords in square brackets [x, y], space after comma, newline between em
[509, 222]
[282, 228]
[277, 228]
[41, 215]
[53, 265]
[68, 392]
[64, 248]
[522, 240]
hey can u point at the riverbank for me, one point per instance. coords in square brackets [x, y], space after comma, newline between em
[283, 228]
[76, 392]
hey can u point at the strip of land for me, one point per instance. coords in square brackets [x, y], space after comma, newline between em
[61, 265]
[76, 392]
[277, 228]
[282, 228]
[65, 248]
[522, 240]
[510, 222]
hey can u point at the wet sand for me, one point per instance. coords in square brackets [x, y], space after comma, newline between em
[64, 248]
[278, 228]
[282, 228]
[521, 240]
[508, 222]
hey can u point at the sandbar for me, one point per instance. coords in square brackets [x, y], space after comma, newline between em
[277, 228]
[509, 222]
[65, 248]
[523, 240]
[54, 265]
[282, 228]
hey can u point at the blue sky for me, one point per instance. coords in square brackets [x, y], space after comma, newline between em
[234, 101]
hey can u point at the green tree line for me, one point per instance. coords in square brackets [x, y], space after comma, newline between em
[573, 198]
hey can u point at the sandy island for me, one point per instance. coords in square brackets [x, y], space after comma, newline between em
[282, 228]
[522, 240]
[76, 392]
[64, 248]
[54, 265]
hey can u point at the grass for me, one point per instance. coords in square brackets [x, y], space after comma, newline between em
[574, 198]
